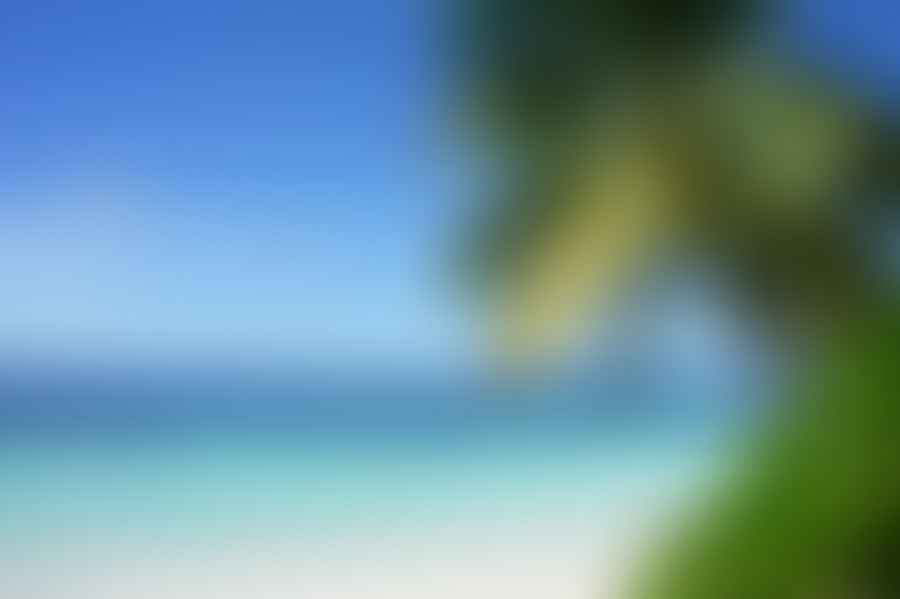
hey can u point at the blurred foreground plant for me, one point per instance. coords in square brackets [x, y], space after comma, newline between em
[629, 130]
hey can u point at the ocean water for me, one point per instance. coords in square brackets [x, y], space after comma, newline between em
[108, 497]
[229, 484]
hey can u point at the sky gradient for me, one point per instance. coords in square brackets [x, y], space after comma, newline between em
[254, 177]
[211, 174]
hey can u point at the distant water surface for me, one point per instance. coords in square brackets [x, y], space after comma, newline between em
[96, 479]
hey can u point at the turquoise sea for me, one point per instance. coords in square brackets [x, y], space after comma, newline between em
[103, 484]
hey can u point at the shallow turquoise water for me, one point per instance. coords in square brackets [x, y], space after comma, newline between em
[202, 486]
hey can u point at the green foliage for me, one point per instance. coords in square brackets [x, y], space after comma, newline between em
[540, 65]
[767, 165]
[814, 511]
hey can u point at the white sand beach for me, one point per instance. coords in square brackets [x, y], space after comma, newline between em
[545, 560]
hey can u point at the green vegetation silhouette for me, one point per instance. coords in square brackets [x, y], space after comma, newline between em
[630, 129]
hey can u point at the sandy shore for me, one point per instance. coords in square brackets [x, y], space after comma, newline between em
[540, 561]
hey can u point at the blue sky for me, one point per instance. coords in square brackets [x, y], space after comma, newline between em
[254, 176]
[193, 175]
